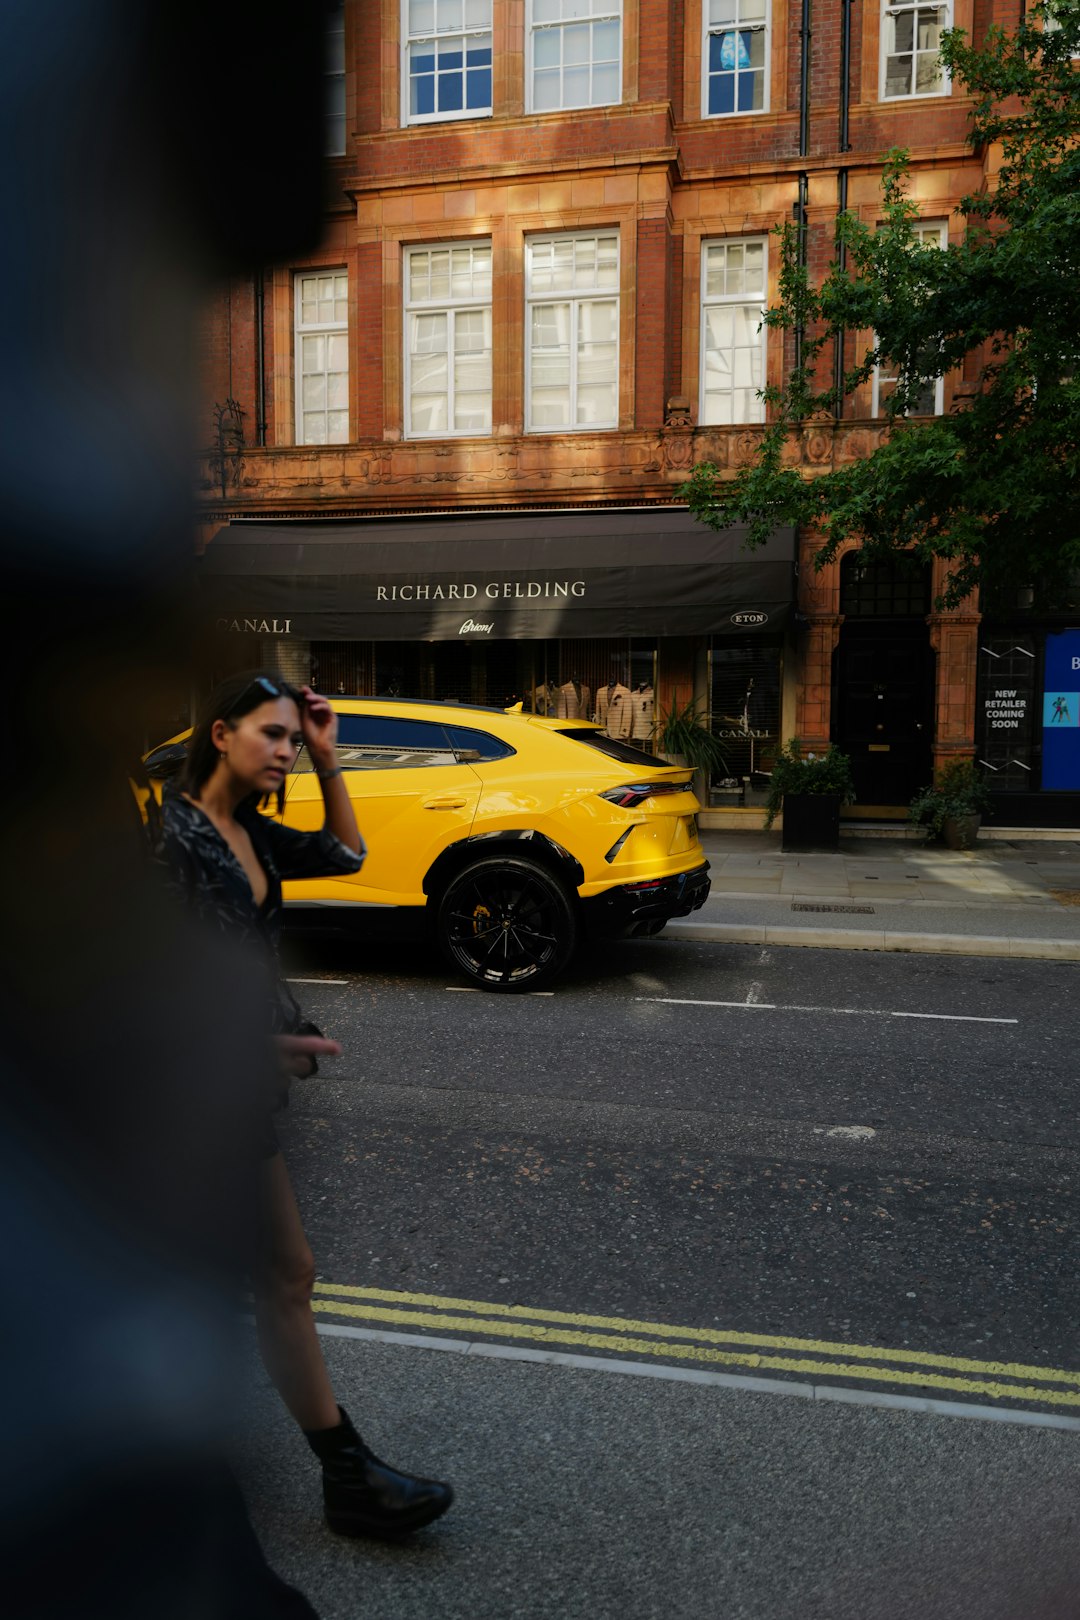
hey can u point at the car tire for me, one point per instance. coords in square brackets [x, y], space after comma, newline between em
[507, 924]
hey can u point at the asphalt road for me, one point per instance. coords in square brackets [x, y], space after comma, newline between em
[839, 1170]
[625, 1148]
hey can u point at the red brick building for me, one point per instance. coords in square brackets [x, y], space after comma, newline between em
[536, 306]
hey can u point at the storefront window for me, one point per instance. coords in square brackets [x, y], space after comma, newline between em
[1007, 692]
[609, 680]
[744, 712]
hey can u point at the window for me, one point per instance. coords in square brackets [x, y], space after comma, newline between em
[575, 54]
[447, 59]
[736, 57]
[376, 742]
[572, 295]
[931, 400]
[476, 747]
[625, 753]
[745, 685]
[894, 587]
[322, 358]
[448, 339]
[910, 64]
[334, 76]
[732, 334]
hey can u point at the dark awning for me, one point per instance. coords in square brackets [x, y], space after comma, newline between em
[636, 572]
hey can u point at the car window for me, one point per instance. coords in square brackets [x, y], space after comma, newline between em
[612, 748]
[474, 747]
[377, 742]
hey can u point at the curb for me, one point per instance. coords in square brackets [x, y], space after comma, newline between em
[875, 939]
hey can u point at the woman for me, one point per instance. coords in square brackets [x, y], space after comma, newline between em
[228, 861]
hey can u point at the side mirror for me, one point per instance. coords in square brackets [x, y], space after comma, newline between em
[164, 762]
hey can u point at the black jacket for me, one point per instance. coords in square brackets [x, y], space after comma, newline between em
[202, 871]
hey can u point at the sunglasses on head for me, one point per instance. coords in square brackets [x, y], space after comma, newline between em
[262, 684]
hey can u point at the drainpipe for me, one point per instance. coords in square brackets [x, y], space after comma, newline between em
[804, 80]
[260, 381]
[804, 148]
[799, 212]
[842, 188]
[841, 259]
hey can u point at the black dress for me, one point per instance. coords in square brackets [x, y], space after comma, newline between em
[202, 872]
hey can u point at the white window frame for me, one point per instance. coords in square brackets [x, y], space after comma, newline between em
[738, 300]
[894, 8]
[1051, 25]
[465, 33]
[327, 328]
[450, 307]
[575, 299]
[600, 11]
[926, 230]
[707, 29]
[334, 80]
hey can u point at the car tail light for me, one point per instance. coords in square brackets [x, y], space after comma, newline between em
[635, 793]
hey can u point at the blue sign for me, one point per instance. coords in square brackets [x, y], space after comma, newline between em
[1061, 712]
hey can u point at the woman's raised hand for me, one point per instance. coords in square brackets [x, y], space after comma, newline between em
[319, 724]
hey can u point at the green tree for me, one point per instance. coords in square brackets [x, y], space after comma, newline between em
[994, 488]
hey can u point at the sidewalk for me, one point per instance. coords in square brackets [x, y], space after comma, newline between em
[590, 1495]
[1017, 897]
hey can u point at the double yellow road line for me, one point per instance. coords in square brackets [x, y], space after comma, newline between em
[914, 1371]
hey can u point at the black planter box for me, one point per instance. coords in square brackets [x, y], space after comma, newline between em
[811, 821]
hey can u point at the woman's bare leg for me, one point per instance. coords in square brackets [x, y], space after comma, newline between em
[284, 1277]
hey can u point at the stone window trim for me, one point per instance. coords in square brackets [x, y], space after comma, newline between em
[931, 233]
[713, 26]
[329, 359]
[468, 304]
[467, 25]
[578, 299]
[554, 61]
[749, 304]
[900, 21]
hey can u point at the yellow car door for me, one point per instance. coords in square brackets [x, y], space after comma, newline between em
[413, 794]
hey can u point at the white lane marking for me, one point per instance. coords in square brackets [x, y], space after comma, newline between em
[691, 1375]
[316, 981]
[957, 1018]
[855, 1012]
[689, 1001]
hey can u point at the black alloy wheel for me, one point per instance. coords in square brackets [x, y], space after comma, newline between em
[507, 924]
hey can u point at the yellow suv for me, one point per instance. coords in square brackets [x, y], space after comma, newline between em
[508, 836]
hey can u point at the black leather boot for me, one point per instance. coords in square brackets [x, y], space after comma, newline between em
[365, 1497]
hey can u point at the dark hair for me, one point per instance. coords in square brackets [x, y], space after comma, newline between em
[230, 701]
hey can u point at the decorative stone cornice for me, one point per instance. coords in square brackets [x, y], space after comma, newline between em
[576, 468]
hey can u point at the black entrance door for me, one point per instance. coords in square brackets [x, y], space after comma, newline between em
[883, 704]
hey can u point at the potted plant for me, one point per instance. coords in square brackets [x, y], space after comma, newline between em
[953, 806]
[684, 737]
[810, 788]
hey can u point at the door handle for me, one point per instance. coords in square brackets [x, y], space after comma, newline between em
[446, 801]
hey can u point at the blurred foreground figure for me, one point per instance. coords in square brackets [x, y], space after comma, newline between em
[135, 1065]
